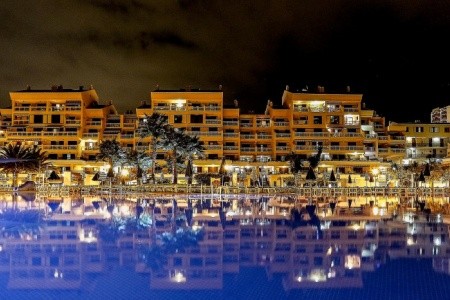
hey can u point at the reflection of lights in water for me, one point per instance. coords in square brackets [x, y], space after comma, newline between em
[410, 241]
[352, 261]
[329, 251]
[331, 273]
[299, 278]
[355, 226]
[317, 275]
[178, 277]
[89, 237]
[196, 227]
[1, 248]
[437, 241]
[57, 274]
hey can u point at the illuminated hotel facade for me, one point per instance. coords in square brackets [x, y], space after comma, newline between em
[69, 124]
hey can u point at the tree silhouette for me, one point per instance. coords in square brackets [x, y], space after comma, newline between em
[154, 126]
[19, 158]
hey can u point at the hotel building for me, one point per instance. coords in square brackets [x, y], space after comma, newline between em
[69, 125]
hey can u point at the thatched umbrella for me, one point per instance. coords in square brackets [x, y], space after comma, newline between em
[310, 175]
[96, 177]
[53, 176]
[332, 177]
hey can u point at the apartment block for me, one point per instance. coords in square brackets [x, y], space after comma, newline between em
[69, 124]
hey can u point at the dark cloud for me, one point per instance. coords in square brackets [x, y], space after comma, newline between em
[392, 51]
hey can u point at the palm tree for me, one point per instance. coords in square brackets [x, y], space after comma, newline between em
[111, 151]
[295, 162]
[179, 144]
[314, 160]
[153, 126]
[19, 158]
[140, 160]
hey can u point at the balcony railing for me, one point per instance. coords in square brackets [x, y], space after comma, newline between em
[230, 148]
[230, 123]
[231, 134]
[59, 147]
[93, 123]
[90, 135]
[312, 134]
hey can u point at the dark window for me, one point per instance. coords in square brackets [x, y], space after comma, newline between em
[177, 119]
[38, 119]
[56, 119]
[197, 119]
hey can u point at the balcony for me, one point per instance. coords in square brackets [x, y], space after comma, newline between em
[73, 108]
[247, 136]
[231, 134]
[90, 135]
[282, 135]
[213, 122]
[110, 136]
[59, 147]
[282, 148]
[93, 123]
[300, 122]
[305, 148]
[59, 133]
[312, 134]
[73, 122]
[213, 147]
[125, 136]
[24, 134]
[281, 124]
[162, 107]
[230, 123]
[352, 123]
[347, 135]
[112, 125]
[230, 148]
[346, 148]
[129, 124]
[204, 133]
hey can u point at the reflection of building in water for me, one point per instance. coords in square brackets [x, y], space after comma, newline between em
[195, 267]
[57, 254]
[332, 253]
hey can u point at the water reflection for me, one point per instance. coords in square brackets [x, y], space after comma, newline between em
[277, 247]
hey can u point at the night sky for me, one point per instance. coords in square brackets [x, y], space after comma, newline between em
[396, 53]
